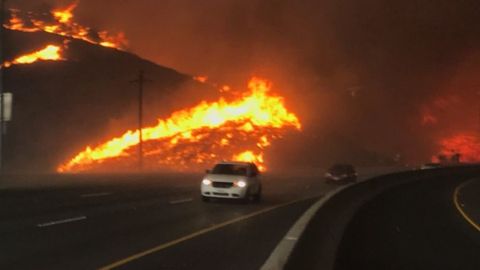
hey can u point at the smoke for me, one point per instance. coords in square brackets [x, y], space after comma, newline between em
[367, 70]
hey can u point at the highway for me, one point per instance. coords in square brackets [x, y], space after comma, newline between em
[423, 220]
[426, 224]
[144, 222]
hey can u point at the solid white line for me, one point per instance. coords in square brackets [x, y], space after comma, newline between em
[181, 201]
[278, 258]
[95, 194]
[56, 222]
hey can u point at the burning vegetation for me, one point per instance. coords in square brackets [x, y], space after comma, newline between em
[60, 22]
[49, 53]
[239, 129]
[465, 146]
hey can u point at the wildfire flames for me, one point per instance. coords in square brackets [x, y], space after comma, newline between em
[60, 22]
[467, 145]
[240, 129]
[50, 53]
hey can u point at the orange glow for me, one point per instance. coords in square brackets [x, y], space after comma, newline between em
[62, 24]
[225, 88]
[49, 53]
[264, 142]
[15, 23]
[249, 156]
[467, 145]
[201, 79]
[428, 118]
[202, 135]
[64, 15]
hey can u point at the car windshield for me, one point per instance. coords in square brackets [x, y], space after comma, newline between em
[230, 169]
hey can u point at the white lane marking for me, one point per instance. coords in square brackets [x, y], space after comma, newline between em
[291, 238]
[96, 194]
[203, 231]
[56, 222]
[278, 258]
[181, 201]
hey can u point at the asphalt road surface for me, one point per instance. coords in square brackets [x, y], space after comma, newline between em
[144, 222]
[419, 225]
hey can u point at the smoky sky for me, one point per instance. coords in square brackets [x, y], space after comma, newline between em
[214, 37]
[372, 64]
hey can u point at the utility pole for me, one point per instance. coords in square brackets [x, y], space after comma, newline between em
[478, 124]
[2, 90]
[478, 134]
[140, 81]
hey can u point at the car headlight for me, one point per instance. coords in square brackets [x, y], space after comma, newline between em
[206, 182]
[241, 183]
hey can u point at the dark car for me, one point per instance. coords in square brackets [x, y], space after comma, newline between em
[341, 173]
[427, 166]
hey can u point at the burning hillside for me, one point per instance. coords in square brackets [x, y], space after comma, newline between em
[49, 53]
[239, 129]
[466, 145]
[60, 21]
[76, 85]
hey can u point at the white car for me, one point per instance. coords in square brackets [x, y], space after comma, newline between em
[233, 180]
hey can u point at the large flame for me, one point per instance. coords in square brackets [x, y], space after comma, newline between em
[49, 53]
[250, 156]
[60, 22]
[240, 129]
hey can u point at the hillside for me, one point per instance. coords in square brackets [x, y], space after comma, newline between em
[88, 98]
[61, 106]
